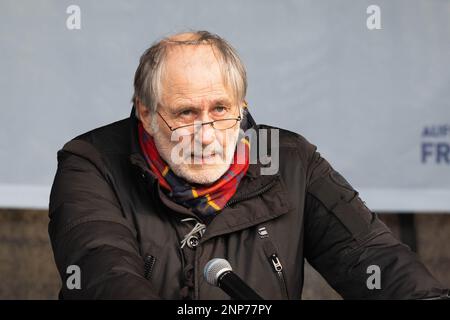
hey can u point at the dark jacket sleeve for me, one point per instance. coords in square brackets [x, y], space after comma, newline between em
[343, 238]
[87, 229]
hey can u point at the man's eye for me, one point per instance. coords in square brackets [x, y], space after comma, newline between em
[220, 109]
[186, 113]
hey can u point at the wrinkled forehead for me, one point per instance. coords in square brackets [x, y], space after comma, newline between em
[193, 71]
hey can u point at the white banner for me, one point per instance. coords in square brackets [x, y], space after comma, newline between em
[367, 82]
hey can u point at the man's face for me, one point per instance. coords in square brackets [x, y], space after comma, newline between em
[193, 92]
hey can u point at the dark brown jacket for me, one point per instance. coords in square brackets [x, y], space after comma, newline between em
[109, 217]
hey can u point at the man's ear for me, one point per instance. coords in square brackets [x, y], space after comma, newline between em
[145, 116]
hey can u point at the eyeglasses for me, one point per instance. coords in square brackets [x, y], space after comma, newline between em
[189, 129]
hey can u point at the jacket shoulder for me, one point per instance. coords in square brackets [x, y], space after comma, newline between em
[289, 140]
[110, 138]
[94, 145]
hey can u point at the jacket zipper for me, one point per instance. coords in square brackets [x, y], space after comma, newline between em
[148, 266]
[229, 203]
[252, 194]
[278, 269]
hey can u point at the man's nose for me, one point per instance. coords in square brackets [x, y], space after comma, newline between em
[207, 132]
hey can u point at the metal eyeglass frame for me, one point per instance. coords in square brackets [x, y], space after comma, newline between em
[201, 124]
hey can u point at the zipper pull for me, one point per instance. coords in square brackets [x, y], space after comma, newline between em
[276, 263]
[149, 263]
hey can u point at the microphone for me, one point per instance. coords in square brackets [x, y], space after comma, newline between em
[218, 273]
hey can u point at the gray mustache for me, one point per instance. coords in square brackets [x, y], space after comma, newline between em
[214, 148]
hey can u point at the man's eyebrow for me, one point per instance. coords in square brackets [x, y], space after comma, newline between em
[221, 101]
[187, 105]
[182, 106]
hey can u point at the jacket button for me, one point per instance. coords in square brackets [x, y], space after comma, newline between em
[192, 242]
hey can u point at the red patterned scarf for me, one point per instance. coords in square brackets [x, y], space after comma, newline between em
[204, 200]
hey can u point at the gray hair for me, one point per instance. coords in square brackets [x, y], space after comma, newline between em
[148, 76]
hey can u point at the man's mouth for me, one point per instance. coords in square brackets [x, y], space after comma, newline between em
[205, 159]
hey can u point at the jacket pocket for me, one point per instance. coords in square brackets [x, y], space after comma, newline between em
[149, 264]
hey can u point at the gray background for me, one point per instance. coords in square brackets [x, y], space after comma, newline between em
[363, 97]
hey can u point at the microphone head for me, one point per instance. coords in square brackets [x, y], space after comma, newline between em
[214, 269]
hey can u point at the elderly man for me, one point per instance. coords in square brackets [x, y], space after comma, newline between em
[141, 205]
